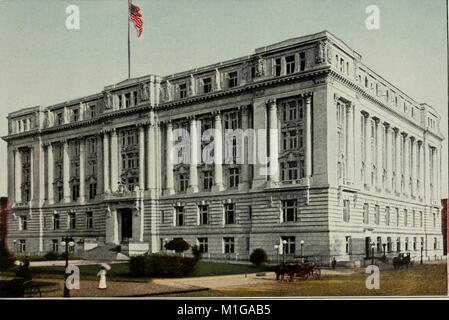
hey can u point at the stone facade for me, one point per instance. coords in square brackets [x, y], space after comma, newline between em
[358, 162]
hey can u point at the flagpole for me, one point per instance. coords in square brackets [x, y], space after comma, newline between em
[129, 51]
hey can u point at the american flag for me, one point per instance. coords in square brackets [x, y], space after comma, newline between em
[135, 15]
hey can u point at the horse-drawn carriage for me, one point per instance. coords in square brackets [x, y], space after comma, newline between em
[403, 259]
[302, 271]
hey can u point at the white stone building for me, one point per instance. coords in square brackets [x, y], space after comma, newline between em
[359, 162]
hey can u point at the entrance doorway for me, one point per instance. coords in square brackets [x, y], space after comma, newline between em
[127, 223]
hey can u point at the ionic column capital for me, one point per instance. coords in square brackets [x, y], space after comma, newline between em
[386, 125]
[365, 114]
[271, 103]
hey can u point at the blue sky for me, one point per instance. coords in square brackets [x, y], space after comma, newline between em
[42, 63]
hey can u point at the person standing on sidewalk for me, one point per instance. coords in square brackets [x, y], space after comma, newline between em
[102, 274]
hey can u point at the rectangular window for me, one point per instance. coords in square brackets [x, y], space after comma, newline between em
[229, 213]
[56, 222]
[289, 245]
[24, 222]
[406, 243]
[277, 67]
[207, 85]
[346, 213]
[366, 213]
[290, 64]
[435, 243]
[204, 214]
[414, 244]
[228, 245]
[348, 245]
[233, 178]
[92, 190]
[179, 216]
[289, 210]
[397, 217]
[183, 182]
[405, 217]
[89, 220]
[398, 244]
[75, 192]
[302, 61]
[377, 212]
[93, 111]
[389, 249]
[55, 245]
[59, 118]
[182, 90]
[379, 244]
[208, 180]
[203, 244]
[22, 246]
[72, 221]
[233, 81]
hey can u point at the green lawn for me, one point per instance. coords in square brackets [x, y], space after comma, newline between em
[120, 271]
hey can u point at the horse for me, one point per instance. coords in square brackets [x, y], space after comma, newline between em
[402, 260]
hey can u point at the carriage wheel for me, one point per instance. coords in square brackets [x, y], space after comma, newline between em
[303, 275]
[316, 273]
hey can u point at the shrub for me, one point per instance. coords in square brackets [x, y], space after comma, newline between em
[258, 257]
[196, 252]
[63, 255]
[6, 259]
[51, 255]
[178, 245]
[162, 265]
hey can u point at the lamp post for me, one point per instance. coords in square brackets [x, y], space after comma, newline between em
[384, 245]
[372, 252]
[276, 247]
[284, 242]
[302, 244]
[66, 241]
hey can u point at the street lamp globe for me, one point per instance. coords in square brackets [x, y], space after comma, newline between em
[302, 241]
[62, 243]
[284, 241]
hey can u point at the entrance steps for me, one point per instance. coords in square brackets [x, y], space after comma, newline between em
[104, 252]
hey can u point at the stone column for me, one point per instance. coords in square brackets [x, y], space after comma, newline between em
[435, 174]
[114, 216]
[368, 157]
[106, 185]
[50, 172]
[412, 167]
[82, 170]
[274, 144]
[114, 161]
[193, 172]
[218, 153]
[18, 176]
[406, 161]
[350, 144]
[141, 157]
[420, 162]
[170, 189]
[388, 157]
[398, 161]
[66, 171]
[308, 137]
[151, 153]
[379, 165]
[244, 176]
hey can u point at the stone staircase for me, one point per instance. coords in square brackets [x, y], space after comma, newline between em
[104, 252]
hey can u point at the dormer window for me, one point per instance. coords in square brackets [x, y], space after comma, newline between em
[182, 90]
[290, 64]
[277, 67]
[232, 79]
[75, 115]
[127, 100]
[59, 118]
[93, 111]
[207, 85]
[302, 61]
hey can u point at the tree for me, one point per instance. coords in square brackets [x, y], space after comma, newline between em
[178, 245]
[6, 259]
[258, 257]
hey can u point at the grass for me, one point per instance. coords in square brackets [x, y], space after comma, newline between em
[419, 280]
[120, 271]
